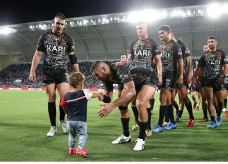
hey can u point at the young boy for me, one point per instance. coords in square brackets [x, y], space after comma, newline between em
[75, 105]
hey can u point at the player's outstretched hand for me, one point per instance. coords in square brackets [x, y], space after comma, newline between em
[105, 110]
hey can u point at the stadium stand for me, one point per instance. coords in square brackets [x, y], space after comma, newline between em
[16, 75]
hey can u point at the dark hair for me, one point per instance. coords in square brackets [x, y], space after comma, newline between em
[95, 66]
[165, 28]
[212, 37]
[75, 79]
[123, 54]
[60, 15]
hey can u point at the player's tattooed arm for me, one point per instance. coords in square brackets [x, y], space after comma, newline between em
[127, 95]
[35, 61]
[189, 64]
[130, 57]
[181, 71]
[159, 68]
[189, 69]
[223, 75]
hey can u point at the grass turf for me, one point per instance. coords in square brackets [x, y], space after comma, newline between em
[24, 123]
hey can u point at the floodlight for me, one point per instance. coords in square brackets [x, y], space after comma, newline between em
[225, 8]
[144, 15]
[178, 13]
[214, 10]
[5, 30]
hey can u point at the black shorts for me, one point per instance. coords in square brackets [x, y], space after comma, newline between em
[152, 80]
[213, 84]
[203, 83]
[169, 80]
[54, 75]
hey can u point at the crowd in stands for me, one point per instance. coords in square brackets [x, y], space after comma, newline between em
[16, 75]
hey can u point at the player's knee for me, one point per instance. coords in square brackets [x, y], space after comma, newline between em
[140, 104]
[123, 108]
[51, 98]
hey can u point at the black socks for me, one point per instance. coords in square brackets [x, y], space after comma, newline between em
[162, 112]
[125, 125]
[189, 108]
[170, 112]
[149, 118]
[142, 128]
[135, 111]
[52, 113]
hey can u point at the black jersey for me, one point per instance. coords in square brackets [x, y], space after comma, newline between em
[122, 74]
[55, 48]
[185, 53]
[143, 52]
[212, 63]
[170, 54]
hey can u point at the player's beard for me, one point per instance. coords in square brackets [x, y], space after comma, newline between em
[211, 47]
[57, 30]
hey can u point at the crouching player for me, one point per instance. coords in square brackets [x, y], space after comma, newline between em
[137, 83]
[75, 105]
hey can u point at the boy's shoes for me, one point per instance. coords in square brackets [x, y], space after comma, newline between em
[72, 151]
[82, 152]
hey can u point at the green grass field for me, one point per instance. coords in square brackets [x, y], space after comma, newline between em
[24, 123]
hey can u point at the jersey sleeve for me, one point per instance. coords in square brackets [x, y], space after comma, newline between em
[124, 74]
[184, 48]
[177, 51]
[40, 45]
[201, 62]
[155, 50]
[224, 58]
[109, 86]
[88, 95]
[187, 51]
[71, 47]
[63, 102]
[131, 49]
